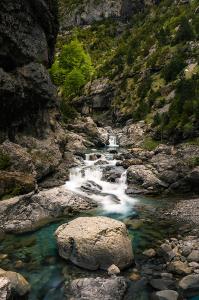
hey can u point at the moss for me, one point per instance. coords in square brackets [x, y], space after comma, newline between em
[193, 162]
[4, 161]
[150, 144]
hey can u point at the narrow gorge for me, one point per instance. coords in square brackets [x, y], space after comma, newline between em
[99, 150]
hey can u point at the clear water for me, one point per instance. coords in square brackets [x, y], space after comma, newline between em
[35, 254]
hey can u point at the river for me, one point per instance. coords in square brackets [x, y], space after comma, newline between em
[35, 254]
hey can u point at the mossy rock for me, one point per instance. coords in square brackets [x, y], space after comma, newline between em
[15, 183]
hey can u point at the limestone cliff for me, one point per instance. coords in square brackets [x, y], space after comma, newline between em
[85, 12]
[28, 31]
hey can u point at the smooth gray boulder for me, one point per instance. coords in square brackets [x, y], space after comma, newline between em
[190, 284]
[166, 295]
[98, 289]
[95, 243]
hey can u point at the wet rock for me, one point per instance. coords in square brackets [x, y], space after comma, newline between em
[95, 243]
[132, 135]
[142, 176]
[135, 277]
[17, 282]
[113, 270]
[179, 267]
[130, 162]
[149, 253]
[98, 288]
[91, 187]
[31, 211]
[111, 173]
[86, 127]
[5, 288]
[135, 191]
[100, 163]
[16, 183]
[193, 256]
[190, 285]
[165, 295]
[163, 284]
[134, 224]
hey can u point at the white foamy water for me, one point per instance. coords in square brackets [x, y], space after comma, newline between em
[113, 141]
[112, 197]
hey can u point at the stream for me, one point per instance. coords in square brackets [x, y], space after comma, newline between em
[35, 255]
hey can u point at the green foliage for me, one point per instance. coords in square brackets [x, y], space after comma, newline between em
[193, 162]
[68, 111]
[174, 67]
[72, 69]
[150, 144]
[185, 31]
[184, 110]
[155, 45]
[73, 82]
[4, 161]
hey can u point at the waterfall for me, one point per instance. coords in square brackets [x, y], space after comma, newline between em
[113, 141]
[111, 196]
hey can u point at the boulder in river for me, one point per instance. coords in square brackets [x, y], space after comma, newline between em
[91, 187]
[190, 285]
[166, 295]
[17, 283]
[31, 211]
[95, 243]
[98, 288]
[5, 288]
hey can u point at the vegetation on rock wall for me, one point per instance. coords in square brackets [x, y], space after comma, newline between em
[153, 62]
[71, 70]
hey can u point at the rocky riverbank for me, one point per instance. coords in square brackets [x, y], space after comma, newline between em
[157, 168]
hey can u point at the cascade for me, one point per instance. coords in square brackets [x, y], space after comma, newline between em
[113, 141]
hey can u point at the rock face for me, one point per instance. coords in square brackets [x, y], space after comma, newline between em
[25, 85]
[85, 12]
[29, 212]
[98, 288]
[166, 169]
[95, 243]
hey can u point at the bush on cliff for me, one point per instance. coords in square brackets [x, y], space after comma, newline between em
[72, 69]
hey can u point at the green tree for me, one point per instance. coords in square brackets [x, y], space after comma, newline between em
[185, 31]
[74, 82]
[72, 69]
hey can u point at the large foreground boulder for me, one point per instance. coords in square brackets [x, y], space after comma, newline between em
[95, 243]
[98, 288]
[31, 211]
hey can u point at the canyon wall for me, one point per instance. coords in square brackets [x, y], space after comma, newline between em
[28, 31]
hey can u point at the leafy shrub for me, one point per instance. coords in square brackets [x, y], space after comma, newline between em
[173, 68]
[72, 69]
[185, 31]
[4, 161]
[193, 162]
[150, 144]
[68, 111]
